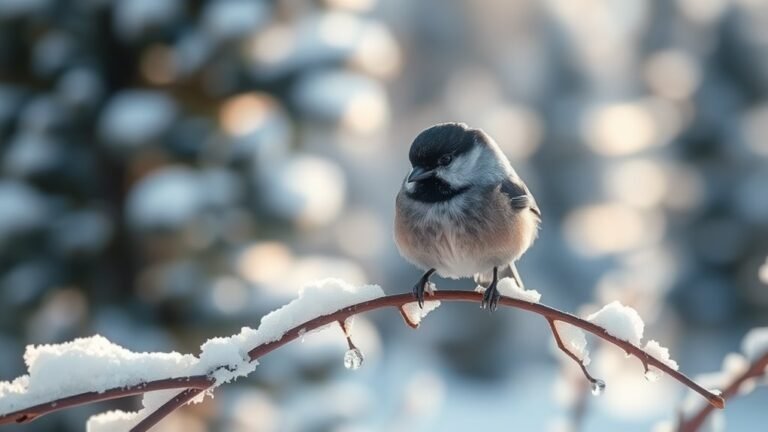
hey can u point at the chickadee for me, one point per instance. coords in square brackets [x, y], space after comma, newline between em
[463, 210]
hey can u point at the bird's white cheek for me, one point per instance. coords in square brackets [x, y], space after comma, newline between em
[410, 186]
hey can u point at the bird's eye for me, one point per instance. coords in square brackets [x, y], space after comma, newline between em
[445, 160]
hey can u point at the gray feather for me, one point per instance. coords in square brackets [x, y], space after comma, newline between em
[519, 196]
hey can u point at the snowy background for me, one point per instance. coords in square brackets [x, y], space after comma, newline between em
[173, 170]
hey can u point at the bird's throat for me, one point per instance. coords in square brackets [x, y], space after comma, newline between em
[434, 190]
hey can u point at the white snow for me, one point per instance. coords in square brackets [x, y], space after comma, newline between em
[414, 314]
[320, 298]
[755, 343]
[660, 353]
[96, 364]
[574, 340]
[620, 321]
[118, 420]
[508, 287]
[91, 364]
[112, 421]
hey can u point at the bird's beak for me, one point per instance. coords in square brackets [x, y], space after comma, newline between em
[419, 173]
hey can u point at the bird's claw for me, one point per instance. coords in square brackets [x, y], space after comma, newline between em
[423, 285]
[418, 291]
[491, 298]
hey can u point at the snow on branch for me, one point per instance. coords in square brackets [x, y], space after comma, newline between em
[99, 370]
[740, 374]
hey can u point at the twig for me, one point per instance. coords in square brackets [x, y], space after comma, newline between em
[570, 354]
[26, 415]
[756, 369]
[172, 405]
[200, 383]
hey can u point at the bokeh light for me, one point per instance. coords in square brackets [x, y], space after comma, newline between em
[172, 171]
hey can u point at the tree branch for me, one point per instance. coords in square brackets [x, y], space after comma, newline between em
[198, 384]
[756, 369]
[26, 415]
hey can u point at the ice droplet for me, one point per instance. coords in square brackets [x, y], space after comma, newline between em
[353, 359]
[302, 334]
[598, 387]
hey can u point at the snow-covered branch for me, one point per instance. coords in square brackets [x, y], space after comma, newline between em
[99, 370]
[741, 373]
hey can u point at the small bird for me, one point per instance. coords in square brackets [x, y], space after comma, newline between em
[463, 210]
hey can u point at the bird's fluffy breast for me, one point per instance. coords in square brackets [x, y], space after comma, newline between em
[463, 236]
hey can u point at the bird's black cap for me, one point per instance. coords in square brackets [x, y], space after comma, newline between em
[442, 139]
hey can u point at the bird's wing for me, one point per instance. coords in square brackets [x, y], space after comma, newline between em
[519, 196]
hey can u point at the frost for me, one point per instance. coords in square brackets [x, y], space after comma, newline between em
[755, 343]
[620, 321]
[508, 287]
[574, 340]
[96, 364]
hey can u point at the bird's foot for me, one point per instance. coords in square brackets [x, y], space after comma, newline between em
[491, 297]
[418, 292]
[422, 286]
